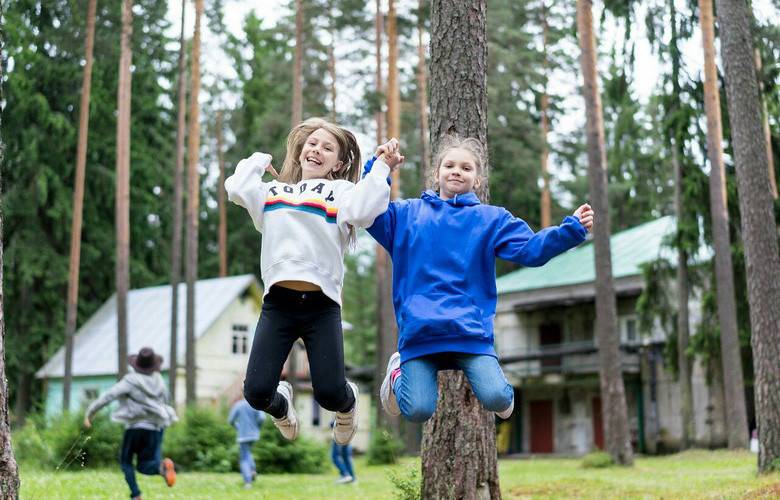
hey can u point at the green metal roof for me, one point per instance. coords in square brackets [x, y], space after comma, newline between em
[630, 249]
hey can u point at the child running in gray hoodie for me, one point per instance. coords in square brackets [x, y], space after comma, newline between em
[145, 412]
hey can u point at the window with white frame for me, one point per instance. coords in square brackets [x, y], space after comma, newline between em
[629, 330]
[240, 339]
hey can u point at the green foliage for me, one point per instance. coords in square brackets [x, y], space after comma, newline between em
[407, 483]
[274, 454]
[63, 443]
[42, 74]
[597, 460]
[384, 448]
[359, 304]
[202, 440]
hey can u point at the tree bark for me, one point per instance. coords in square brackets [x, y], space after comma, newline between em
[178, 179]
[332, 62]
[222, 237]
[734, 387]
[393, 90]
[123, 186]
[193, 202]
[683, 333]
[546, 202]
[767, 132]
[459, 441]
[759, 228]
[78, 206]
[9, 472]
[297, 97]
[614, 412]
[422, 99]
[387, 331]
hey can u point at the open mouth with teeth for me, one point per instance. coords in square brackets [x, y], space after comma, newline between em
[311, 159]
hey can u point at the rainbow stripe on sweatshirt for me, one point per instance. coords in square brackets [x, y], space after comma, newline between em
[312, 206]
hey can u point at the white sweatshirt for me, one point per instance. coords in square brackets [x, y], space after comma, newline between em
[305, 226]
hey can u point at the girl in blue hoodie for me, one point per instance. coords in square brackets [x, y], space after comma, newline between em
[443, 246]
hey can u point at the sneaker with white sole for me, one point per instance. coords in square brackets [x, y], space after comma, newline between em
[508, 412]
[288, 424]
[346, 423]
[345, 479]
[386, 393]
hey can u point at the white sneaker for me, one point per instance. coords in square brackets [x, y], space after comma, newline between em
[345, 479]
[346, 423]
[287, 425]
[508, 412]
[386, 394]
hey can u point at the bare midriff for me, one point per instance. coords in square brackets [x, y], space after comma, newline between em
[299, 286]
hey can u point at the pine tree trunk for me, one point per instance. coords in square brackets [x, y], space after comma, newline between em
[393, 90]
[332, 62]
[379, 117]
[683, 362]
[297, 97]
[123, 186]
[614, 412]
[193, 202]
[422, 99]
[459, 441]
[734, 386]
[9, 472]
[767, 132]
[178, 179]
[759, 229]
[222, 237]
[78, 207]
[546, 202]
[387, 332]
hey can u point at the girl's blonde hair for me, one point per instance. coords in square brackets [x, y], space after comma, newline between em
[349, 152]
[473, 146]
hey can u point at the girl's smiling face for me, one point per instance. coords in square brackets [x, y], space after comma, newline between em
[319, 155]
[457, 173]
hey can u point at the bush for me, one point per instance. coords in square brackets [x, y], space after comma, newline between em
[62, 442]
[202, 440]
[384, 448]
[407, 485]
[273, 453]
[597, 460]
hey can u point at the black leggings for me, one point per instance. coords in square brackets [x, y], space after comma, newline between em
[287, 316]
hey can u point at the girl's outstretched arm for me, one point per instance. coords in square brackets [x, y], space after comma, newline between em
[515, 241]
[361, 203]
[246, 187]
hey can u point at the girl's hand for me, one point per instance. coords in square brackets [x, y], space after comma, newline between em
[390, 153]
[585, 214]
[259, 161]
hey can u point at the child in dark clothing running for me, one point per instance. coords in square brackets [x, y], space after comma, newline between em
[144, 409]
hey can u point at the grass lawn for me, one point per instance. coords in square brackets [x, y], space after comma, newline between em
[694, 474]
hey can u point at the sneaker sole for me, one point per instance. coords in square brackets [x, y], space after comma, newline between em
[355, 391]
[389, 403]
[169, 472]
[290, 405]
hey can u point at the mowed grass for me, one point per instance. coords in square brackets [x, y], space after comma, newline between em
[694, 474]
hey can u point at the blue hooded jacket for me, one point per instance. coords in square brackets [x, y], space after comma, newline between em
[444, 274]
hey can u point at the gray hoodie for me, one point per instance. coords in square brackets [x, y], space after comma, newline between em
[143, 401]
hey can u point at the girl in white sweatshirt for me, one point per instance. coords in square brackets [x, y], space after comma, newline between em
[308, 216]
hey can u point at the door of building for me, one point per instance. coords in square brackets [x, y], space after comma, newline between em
[542, 426]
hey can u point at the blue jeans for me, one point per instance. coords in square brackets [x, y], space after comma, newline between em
[146, 445]
[342, 459]
[417, 388]
[246, 462]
